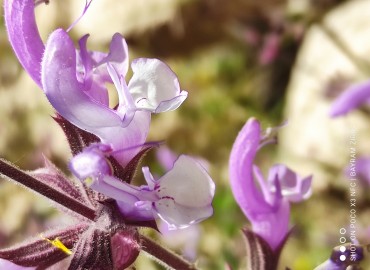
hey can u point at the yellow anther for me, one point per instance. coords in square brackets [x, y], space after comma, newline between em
[58, 244]
[89, 181]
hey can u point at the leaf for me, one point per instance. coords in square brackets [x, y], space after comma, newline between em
[259, 254]
[38, 252]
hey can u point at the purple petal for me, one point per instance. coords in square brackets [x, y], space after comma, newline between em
[95, 68]
[127, 141]
[65, 93]
[90, 163]
[154, 86]
[352, 98]
[293, 187]
[329, 265]
[246, 194]
[67, 96]
[24, 36]
[86, 73]
[118, 55]
[273, 227]
[166, 157]
[363, 169]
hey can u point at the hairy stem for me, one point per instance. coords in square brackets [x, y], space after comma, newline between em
[165, 256]
[12, 172]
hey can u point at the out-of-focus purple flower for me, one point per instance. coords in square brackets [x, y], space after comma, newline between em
[355, 96]
[181, 197]
[7, 265]
[270, 48]
[267, 206]
[361, 170]
[186, 240]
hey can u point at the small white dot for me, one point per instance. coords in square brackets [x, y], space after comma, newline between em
[342, 248]
[342, 258]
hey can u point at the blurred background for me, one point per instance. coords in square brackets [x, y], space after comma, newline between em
[276, 60]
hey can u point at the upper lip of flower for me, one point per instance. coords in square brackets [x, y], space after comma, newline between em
[74, 82]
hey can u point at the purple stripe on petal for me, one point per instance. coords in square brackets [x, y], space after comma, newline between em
[24, 36]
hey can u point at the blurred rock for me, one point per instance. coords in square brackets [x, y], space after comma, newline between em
[312, 142]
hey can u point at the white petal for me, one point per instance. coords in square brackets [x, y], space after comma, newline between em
[187, 183]
[178, 216]
[154, 86]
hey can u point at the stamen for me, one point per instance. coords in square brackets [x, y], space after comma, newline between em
[89, 181]
[58, 244]
[87, 5]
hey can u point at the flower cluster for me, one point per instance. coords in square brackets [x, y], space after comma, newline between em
[107, 144]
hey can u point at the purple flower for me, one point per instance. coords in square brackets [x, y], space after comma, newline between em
[74, 82]
[352, 98]
[181, 197]
[267, 206]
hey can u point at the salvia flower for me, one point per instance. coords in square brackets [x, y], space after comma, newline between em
[266, 205]
[74, 81]
[181, 197]
[353, 97]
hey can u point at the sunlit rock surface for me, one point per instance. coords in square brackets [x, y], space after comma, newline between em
[312, 141]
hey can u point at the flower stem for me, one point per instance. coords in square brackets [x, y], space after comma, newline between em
[165, 256]
[12, 172]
